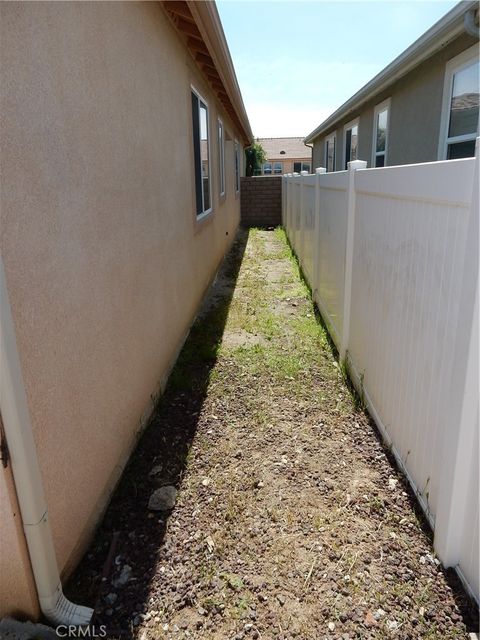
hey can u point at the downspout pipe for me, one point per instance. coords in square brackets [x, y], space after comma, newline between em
[28, 481]
[310, 146]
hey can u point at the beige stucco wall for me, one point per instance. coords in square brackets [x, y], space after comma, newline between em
[415, 112]
[17, 590]
[105, 262]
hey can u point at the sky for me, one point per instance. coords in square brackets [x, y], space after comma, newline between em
[296, 62]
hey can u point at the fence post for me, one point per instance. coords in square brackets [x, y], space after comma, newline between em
[288, 214]
[316, 234]
[459, 456]
[300, 254]
[353, 166]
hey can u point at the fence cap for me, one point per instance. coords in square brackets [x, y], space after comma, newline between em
[320, 170]
[353, 165]
[304, 173]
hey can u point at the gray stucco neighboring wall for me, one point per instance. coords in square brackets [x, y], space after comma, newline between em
[415, 113]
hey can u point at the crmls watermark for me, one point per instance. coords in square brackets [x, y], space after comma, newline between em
[71, 631]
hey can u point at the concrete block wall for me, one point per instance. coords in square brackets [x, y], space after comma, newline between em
[261, 201]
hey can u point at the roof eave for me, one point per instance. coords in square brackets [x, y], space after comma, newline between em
[442, 32]
[208, 22]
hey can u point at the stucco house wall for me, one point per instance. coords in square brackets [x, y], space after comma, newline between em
[105, 261]
[415, 114]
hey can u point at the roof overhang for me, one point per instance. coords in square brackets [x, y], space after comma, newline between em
[436, 38]
[200, 28]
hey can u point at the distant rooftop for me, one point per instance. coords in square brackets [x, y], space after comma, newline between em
[284, 148]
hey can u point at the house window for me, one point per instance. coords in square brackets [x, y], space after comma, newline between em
[221, 156]
[237, 167]
[330, 144]
[267, 168]
[460, 106]
[351, 143]
[277, 167]
[201, 153]
[298, 167]
[380, 134]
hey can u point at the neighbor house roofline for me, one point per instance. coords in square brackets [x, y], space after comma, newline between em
[437, 37]
[199, 25]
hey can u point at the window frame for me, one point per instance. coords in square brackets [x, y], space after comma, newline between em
[303, 166]
[237, 170]
[271, 168]
[275, 172]
[347, 127]
[205, 212]
[327, 139]
[462, 61]
[221, 158]
[386, 104]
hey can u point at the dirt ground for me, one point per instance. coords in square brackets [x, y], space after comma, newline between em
[291, 520]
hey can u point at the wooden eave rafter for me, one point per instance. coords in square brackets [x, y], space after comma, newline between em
[181, 18]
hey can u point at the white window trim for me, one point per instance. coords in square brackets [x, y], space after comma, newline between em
[346, 127]
[208, 211]
[457, 63]
[273, 168]
[236, 150]
[302, 163]
[221, 158]
[378, 109]
[333, 137]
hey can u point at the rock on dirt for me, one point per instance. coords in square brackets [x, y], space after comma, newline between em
[124, 577]
[163, 499]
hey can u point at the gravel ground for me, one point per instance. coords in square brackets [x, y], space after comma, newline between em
[291, 520]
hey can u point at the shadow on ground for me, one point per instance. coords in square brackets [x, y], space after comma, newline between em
[129, 535]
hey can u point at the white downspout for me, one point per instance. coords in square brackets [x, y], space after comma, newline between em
[28, 482]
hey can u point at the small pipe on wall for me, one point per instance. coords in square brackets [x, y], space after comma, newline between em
[28, 481]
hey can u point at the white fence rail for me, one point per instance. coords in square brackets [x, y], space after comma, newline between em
[391, 256]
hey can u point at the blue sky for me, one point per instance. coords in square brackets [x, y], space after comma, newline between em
[296, 62]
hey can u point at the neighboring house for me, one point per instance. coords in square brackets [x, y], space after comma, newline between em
[285, 155]
[122, 136]
[420, 108]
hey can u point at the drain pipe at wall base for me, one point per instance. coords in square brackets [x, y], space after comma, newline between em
[28, 482]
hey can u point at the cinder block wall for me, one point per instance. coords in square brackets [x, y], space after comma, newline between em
[261, 201]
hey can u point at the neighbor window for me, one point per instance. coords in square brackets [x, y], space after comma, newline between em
[201, 154]
[277, 167]
[298, 167]
[221, 156]
[330, 153]
[267, 168]
[381, 117]
[350, 143]
[237, 167]
[460, 106]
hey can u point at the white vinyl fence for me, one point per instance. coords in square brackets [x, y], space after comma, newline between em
[391, 256]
